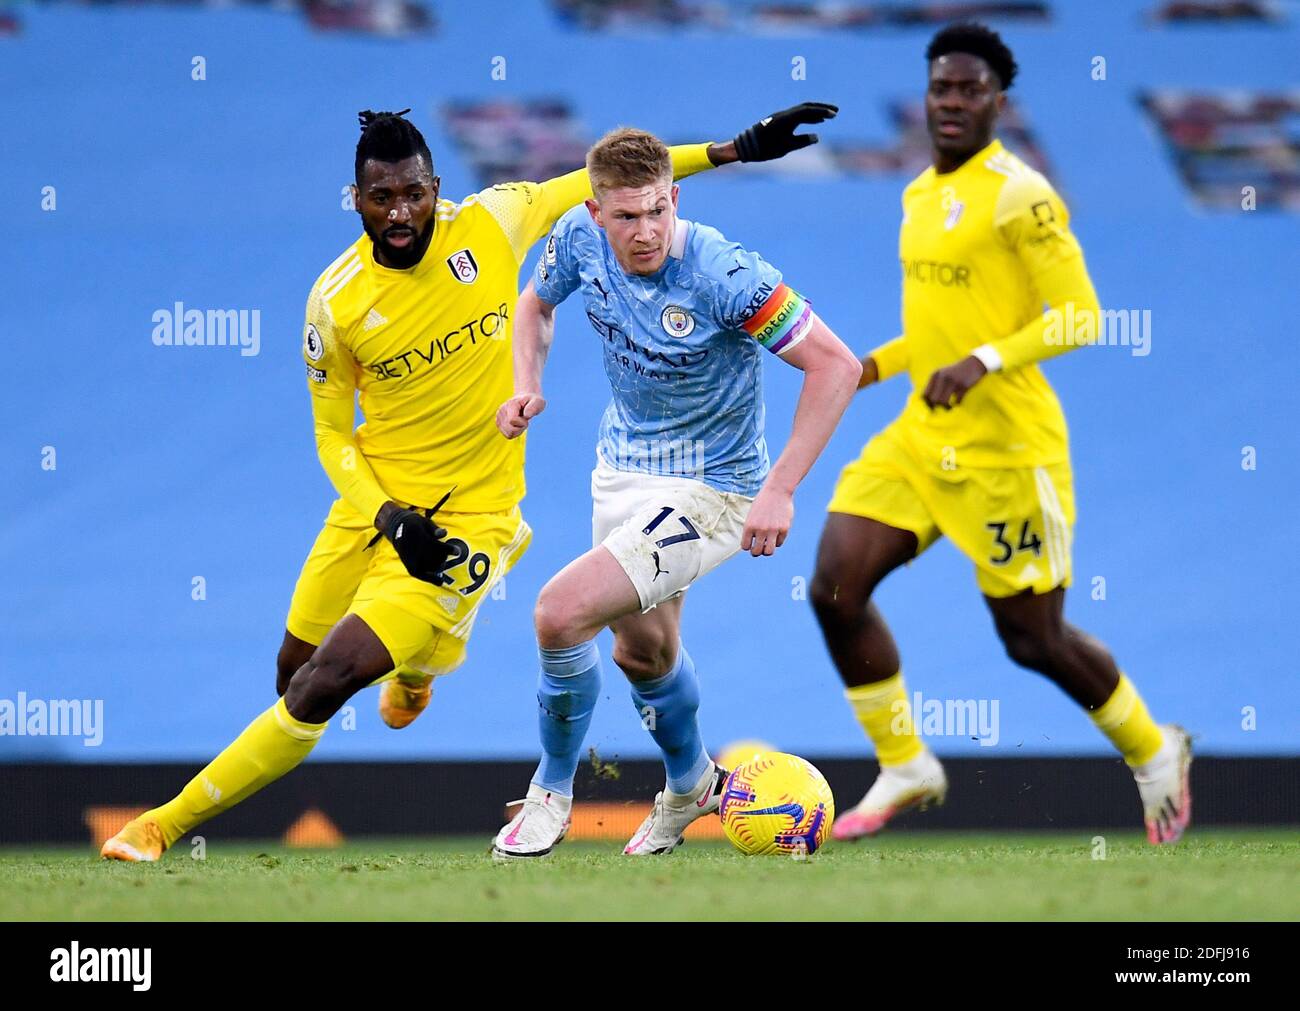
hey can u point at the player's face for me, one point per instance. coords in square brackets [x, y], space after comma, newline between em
[396, 201]
[962, 104]
[639, 223]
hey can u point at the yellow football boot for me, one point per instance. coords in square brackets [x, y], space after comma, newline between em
[140, 841]
[401, 701]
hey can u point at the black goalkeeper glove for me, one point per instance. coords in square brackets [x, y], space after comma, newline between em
[774, 137]
[420, 544]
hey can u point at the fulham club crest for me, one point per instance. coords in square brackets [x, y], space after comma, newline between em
[677, 321]
[463, 266]
[953, 206]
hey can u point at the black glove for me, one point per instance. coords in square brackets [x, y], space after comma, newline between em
[420, 544]
[774, 137]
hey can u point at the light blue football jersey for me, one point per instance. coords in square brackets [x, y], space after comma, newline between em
[681, 348]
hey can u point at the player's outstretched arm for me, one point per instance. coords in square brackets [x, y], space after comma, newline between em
[770, 138]
[774, 136]
[831, 372]
[534, 331]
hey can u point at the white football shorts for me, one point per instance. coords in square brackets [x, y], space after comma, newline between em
[665, 532]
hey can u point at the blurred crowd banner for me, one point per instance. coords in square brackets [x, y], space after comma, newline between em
[1233, 146]
[541, 138]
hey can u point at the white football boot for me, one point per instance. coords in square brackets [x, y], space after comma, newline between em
[540, 824]
[662, 830]
[1164, 784]
[915, 784]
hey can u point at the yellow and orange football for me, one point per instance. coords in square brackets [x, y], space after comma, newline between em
[777, 803]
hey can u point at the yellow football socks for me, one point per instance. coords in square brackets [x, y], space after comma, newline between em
[1124, 719]
[882, 709]
[269, 747]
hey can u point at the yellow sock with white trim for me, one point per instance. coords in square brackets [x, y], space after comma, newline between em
[1124, 719]
[882, 709]
[269, 747]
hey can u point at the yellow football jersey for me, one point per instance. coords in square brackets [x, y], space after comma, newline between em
[429, 351]
[983, 249]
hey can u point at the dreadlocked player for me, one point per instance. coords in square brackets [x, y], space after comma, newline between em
[415, 317]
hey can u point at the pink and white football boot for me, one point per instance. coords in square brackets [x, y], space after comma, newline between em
[661, 832]
[915, 784]
[539, 826]
[1164, 784]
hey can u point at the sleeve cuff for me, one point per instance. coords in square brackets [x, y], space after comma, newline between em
[989, 355]
[688, 159]
[890, 358]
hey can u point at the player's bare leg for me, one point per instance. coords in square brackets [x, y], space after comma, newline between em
[294, 652]
[645, 645]
[350, 658]
[854, 556]
[402, 698]
[584, 597]
[1036, 635]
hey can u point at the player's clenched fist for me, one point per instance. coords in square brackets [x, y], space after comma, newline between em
[514, 415]
[768, 522]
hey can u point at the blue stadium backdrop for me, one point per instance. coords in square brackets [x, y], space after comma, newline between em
[130, 470]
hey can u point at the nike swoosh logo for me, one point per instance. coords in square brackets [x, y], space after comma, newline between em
[795, 811]
[708, 794]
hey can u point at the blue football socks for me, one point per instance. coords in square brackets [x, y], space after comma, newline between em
[566, 697]
[668, 707]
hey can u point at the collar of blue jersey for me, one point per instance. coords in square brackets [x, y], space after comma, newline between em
[677, 248]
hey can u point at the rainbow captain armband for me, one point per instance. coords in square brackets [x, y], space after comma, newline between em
[782, 321]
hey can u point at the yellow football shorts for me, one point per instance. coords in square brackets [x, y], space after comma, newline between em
[1016, 524]
[425, 628]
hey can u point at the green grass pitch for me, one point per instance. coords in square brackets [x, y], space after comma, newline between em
[1213, 875]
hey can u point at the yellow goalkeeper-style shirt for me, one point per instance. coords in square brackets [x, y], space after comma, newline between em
[984, 249]
[429, 351]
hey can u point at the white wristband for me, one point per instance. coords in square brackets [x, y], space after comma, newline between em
[988, 354]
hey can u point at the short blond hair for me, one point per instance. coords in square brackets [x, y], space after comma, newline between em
[628, 157]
